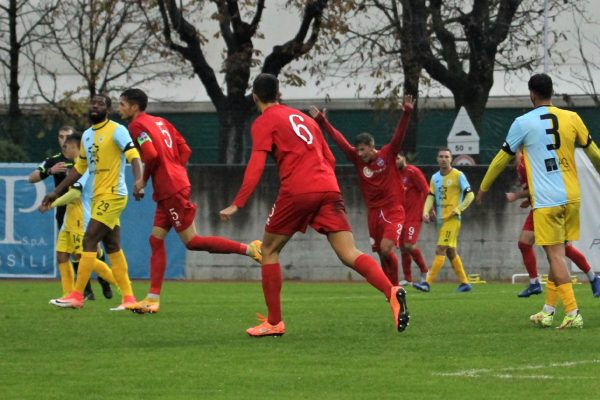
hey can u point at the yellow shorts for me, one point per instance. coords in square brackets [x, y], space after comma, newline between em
[69, 242]
[108, 209]
[448, 233]
[556, 225]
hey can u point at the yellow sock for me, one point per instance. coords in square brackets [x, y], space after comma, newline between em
[438, 263]
[565, 291]
[551, 294]
[67, 277]
[457, 265]
[86, 266]
[119, 269]
[104, 272]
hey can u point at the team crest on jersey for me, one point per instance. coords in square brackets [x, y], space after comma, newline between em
[143, 138]
[100, 139]
[380, 162]
[367, 172]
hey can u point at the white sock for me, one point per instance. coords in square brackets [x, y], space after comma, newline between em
[535, 280]
[573, 313]
[591, 275]
[549, 309]
[153, 296]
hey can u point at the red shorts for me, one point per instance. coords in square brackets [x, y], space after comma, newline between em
[410, 232]
[175, 212]
[528, 225]
[324, 212]
[385, 224]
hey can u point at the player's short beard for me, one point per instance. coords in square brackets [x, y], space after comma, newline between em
[95, 119]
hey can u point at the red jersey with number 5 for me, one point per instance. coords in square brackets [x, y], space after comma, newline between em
[304, 160]
[164, 153]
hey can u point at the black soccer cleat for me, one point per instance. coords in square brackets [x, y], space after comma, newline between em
[106, 289]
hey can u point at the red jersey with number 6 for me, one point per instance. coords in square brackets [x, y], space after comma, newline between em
[304, 160]
[164, 153]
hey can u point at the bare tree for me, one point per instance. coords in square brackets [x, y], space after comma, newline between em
[19, 21]
[458, 44]
[587, 49]
[106, 43]
[238, 22]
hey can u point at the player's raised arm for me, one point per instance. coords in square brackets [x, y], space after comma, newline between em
[336, 135]
[400, 133]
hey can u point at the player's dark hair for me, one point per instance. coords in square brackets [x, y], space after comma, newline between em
[74, 137]
[66, 128]
[106, 98]
[266, 88]
[444, 149]
[364, 138]
[136, 96]
[541, 84]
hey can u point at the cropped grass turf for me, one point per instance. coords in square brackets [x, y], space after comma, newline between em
[340, 344]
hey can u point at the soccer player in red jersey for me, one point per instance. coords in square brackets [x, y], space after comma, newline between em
[165, 155]
[527, 240]
[378, 178]
[416, 190]
[309, 194]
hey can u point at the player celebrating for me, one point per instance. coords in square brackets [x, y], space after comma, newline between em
[415, 193]
[104, 148]
[547, 136]
[527, 240]
[378, 179]
[452, 194]
[165, 155]
[309, 195]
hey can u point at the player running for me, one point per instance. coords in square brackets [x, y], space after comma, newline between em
[527, 240]
[309, 194]
[378, 179]
[104, 148]
[165, 155]
[547, 135]
[415, 194]
[451, 193]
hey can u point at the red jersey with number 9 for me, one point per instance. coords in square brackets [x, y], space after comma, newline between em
[161, 147]
[304, 160]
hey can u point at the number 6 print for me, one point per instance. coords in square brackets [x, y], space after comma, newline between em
[300, 129]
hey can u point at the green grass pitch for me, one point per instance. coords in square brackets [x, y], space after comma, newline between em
[340, 344]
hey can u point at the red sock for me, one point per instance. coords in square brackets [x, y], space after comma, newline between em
[271, 284]
[216, 244]
[368, 267]
[158, 264]
[390, 267]
[419, 259]
[578, 258]
[529, 259]
[406, 263]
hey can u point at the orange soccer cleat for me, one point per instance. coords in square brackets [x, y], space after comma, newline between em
[128, 301]
[265, 328]
[146, 306]
[73, 300]
[399, 308]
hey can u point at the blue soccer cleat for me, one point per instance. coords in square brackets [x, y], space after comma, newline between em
[423, 286]
[596, 286]
[533, 288]
[464, 287]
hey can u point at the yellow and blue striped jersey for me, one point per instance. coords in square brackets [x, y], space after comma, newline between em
[448, 191]
[104, 147]
[548, 136]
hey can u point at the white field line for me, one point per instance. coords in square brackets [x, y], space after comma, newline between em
[505, 372]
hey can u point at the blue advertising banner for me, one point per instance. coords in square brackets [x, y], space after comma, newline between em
[27, 237]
